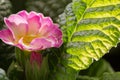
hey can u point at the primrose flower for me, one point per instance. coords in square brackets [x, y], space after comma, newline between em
[31, 31]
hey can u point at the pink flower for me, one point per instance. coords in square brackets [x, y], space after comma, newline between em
[31, 31]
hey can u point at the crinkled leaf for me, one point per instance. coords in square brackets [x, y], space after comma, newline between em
[57, 70]
[3, 75]
[97, 69]
[50, 8]
[90, 30]
[111, 76]
[6, 55]
[15, 72]
[6, 52]
[105, 76]
[86, 78]
[63, 73]
[5, 10]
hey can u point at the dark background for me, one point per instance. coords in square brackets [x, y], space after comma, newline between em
[114, 57]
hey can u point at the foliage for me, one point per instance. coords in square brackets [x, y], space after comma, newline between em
[90, 29]
[3, 75]
[50, 8]
[6, 52]
[100, 70]
[5, 10]
[97, 69]
[106, 76]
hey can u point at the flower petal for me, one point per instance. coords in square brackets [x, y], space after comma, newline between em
[7, 36]
[41, 16]
[46, 26]
[31, 31]
[33, 25]
[56, 42]
[47, 20]
[17, 25]
[15, 19]
[36, 44]
[57, 34]
[45, 30]
[23, 14]
[40, 44]
[18, 31]
[52, 33]
[32, 14]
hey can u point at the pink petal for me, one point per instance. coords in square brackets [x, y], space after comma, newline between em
[57, 34]
[19, 30]
[41, 17]
[47, 20]
[59, 42]
[52, 33]
[33, 25]
[17, 25]
[41, 31]
[23, 14]
[56, 42]
[40, 44]
[7, 36]
[20, 46]
[45, 30]
[32, 14]
[14, 19]
[47, 26]
[36, 44]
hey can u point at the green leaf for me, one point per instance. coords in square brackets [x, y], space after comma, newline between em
[6, 55]
[105, 76]
[86, 78]
[57, 70]
[50, 8]
[5, 10]
[15, 71]
[97, 69]
[21, 56]
[6, 52]
[90, 30]
[64, 73]
[111, 76]
[3, 75]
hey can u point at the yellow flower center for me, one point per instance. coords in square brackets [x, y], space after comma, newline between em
[28, 38]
